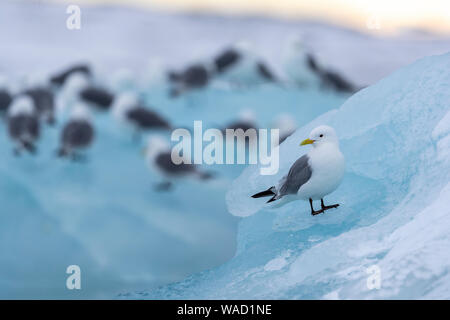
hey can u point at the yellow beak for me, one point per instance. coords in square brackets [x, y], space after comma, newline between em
[307, 141]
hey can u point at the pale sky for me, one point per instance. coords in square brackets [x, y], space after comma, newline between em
[372, 15]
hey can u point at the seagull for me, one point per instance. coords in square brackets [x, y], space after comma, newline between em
[304, 68]
[314, 175]
[43, 100]
[77, 134]
[61, 78]
[286, 124]
[127, 109]
[159, 159]
[226, 59]
[196, 76]
[240, 65]
[78, 86]
[98, 97]
[299, 64]
[23, 124]
[246, 120]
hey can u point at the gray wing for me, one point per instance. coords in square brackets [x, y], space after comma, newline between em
[298, 175]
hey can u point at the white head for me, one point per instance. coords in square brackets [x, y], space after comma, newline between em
[124, 102]
[155, 72]
[155, 145]
[21, 105]
[243, 45]
[285, 122]
[123, 79]
[75, 83]
[320, 136]
[80, 112]
[247, 115]
[246, 49]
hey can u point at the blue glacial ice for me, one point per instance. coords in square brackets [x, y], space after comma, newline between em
[394, 212]
[105, 216]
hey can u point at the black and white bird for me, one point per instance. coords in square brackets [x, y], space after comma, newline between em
[299, 64]
[61, 77]
[303, 68]
[240, 65]
[98, 97]
[226, 59]
[194, 77]
[44, 103]
[246, 120]
[158, 156]
[78, 133]
[79, 87]
[23, 124]
[127, 109]
[333, 80]
[286, 124]
[314, 175]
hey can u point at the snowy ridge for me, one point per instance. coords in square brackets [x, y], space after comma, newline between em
[40, 27]
[394, 206]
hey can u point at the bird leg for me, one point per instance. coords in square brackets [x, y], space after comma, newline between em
[313, 212]
[324, 207]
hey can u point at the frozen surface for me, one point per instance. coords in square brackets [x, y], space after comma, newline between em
[36, 38]
[105, 215]
[394, 210]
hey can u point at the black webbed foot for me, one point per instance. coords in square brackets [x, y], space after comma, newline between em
[317, 212]
[314, 212]
[324, 207]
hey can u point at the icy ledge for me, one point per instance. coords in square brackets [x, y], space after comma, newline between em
[395, 211]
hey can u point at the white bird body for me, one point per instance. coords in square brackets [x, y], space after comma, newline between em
[312, 176]
[296, 68]
[297, 65]
[328, 166]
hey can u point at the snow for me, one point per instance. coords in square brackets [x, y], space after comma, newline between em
[394, 215]
[122, 37]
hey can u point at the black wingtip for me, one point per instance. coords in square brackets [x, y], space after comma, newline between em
[265, 193]
[271, 199]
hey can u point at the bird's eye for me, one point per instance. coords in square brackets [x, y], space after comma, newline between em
[321, 135]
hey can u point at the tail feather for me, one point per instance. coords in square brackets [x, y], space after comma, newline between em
[266, 193]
